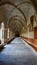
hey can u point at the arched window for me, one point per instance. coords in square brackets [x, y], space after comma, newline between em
[2, 32]
[33, 21]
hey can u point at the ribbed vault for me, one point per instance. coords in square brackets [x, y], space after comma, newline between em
[15, 14]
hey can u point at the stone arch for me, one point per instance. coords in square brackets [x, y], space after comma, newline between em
[3, 3]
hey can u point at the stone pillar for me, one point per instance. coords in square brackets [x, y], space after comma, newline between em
[5, 35]
[8, 33]
[35, 32]
[35, 29]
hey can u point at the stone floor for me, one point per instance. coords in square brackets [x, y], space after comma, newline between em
[18, 52]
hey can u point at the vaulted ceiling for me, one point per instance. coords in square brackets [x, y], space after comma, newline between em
[15, 13]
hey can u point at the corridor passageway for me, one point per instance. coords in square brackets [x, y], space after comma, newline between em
[18, 52]
[18, 32]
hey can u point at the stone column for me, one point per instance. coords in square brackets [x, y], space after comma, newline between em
[35, 32]
[8, 33]
[5, 35]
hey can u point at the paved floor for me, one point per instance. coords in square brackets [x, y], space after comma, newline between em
[18, 53]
